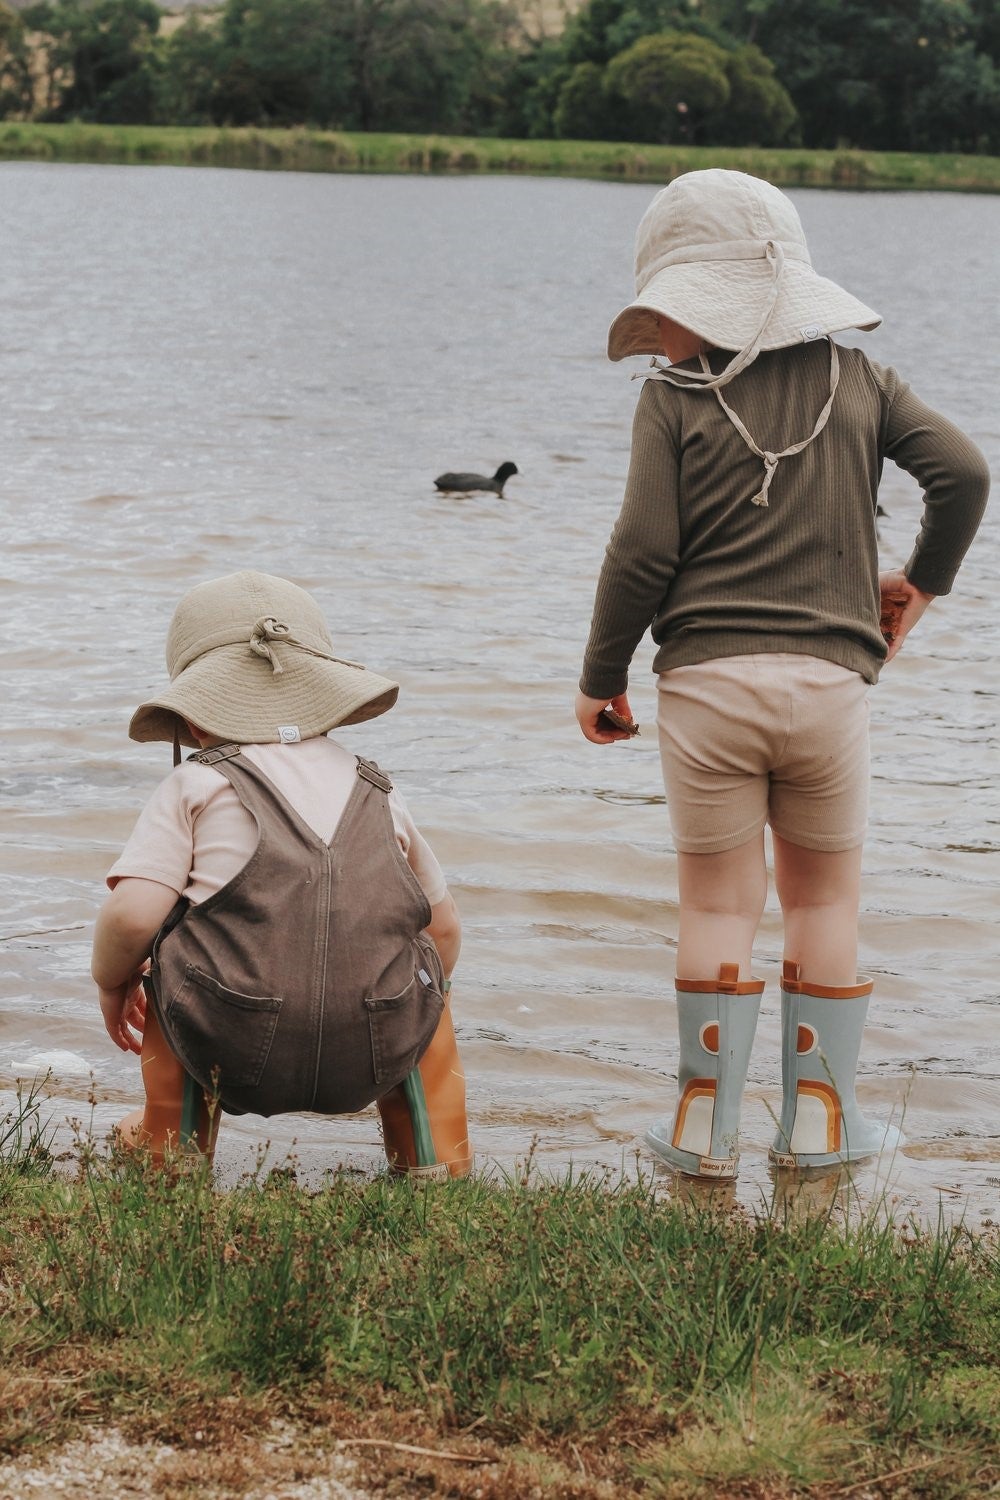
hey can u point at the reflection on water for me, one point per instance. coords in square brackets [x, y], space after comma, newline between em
[208, 370]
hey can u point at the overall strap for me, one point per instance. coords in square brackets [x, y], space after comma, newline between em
[369, 771]
[367, 823]
[217, 753]
[369, 798]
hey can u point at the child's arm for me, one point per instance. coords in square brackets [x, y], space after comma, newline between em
[639, 563]
[445, 928]
[955, 479]
[126, 926]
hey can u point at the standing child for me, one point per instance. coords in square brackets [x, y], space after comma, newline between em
[746, 541]
[275, 917]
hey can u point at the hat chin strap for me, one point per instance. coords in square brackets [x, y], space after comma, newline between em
[771, 460]
[704, 379]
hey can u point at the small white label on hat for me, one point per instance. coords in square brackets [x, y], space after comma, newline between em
[814, 331]
[288, 734]
[423, 976]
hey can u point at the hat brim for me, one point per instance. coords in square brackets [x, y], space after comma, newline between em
[721, 302]
[235, 695]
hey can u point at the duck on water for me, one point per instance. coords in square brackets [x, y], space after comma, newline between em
[468, 483]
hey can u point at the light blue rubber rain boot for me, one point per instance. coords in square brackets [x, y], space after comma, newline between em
[821, 1030]
[716, 1020]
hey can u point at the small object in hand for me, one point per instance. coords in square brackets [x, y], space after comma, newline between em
[892, 608]
[612, 719]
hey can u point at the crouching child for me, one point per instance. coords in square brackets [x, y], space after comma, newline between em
[278, 936]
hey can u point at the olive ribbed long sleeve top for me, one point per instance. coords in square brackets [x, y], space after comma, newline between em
[714, 575]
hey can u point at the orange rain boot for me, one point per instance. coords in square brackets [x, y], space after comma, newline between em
[424, 1125]
[179, 1119]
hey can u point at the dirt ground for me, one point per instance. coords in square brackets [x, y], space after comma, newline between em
[276, 1466]
[291, 1459]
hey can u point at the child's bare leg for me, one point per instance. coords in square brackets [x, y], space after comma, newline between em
[721, 901]
[819, 891]
[824, 1005]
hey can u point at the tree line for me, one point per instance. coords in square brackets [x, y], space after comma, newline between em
[910, 75]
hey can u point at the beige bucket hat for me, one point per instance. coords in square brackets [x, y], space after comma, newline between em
[251, 660]
[724, 254]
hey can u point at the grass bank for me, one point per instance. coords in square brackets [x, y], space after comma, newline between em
[334, 151]
[495, 1340]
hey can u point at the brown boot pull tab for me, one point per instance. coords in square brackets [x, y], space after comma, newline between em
[790, 971]
[729, 973]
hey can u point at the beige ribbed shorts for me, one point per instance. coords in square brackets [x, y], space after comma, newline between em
[766, 738]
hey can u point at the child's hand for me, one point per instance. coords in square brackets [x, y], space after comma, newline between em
[588, 711]
[124, 1007]
[902, 606]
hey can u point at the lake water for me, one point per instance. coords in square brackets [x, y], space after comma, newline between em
[203, 371]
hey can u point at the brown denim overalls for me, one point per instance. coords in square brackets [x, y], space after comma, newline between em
[306, 982]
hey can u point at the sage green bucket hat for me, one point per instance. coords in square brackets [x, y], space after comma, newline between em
[250, 659]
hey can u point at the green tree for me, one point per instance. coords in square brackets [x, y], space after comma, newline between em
[435, 65]
[960, 107]
[602, 29]
[759, 110]
[237, 98]
[195, 61]
[696, 82]
[584, 111]
[669, 85]
[16, 85]
[888, 76]
[536, 73]
[288, 61]
[985, 26]
[369, 64]
[100, 57]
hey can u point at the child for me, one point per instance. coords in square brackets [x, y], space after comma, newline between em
[299, 928]
[746, 540]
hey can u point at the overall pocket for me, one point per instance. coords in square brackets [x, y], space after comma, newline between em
[218, 1028]
[403, 1025]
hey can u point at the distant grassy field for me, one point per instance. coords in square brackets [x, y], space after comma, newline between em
[334, 151]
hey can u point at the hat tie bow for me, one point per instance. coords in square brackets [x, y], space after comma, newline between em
[267, 630]
[771, 461]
